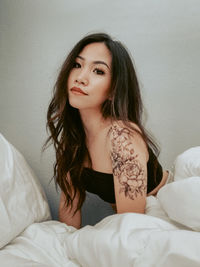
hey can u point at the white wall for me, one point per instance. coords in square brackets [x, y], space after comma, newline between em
[163, 37]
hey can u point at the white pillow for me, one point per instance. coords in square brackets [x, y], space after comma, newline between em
[181, 201]
[22, 200]
[187, 164]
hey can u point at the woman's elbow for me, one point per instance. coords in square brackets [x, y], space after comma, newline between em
[131, 207]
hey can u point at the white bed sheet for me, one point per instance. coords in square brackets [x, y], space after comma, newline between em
[128, 239]
[41, 244]
[134, 240]
[119, 240]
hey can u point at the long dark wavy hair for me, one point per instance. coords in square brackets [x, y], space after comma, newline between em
[64, 123]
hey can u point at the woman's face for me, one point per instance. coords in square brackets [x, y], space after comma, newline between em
[90, 79]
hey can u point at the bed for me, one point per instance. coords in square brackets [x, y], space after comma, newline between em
[167, 235]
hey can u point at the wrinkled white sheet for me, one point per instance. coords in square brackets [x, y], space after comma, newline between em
[119, 240]
[134, 240]
[138, 240]
[41, 244]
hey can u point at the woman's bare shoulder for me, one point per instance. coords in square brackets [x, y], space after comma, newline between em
[126, 137]
[130, 127]
[126, 131]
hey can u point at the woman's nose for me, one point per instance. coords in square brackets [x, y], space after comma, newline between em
[82, 78]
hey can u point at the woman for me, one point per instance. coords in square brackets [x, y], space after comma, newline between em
[95, 125]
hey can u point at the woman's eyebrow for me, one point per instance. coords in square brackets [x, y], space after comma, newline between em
[96, 61]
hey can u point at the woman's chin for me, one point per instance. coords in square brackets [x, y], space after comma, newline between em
[76, 103]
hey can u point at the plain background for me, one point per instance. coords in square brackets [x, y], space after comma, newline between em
[163, 37]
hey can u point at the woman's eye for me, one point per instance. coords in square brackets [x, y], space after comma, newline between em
[99, 72]
[76, 65]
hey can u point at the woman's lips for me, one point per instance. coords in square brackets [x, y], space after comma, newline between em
[78, 91]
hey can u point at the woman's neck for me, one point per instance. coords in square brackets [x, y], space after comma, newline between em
[93, 122]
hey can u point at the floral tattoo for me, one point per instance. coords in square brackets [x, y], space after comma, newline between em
[126, 166]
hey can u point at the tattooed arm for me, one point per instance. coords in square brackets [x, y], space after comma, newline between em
[129, 162]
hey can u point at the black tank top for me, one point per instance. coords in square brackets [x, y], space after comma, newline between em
[102, 184]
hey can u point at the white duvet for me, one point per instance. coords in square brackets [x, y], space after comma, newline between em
[118, 240]
[166, 236]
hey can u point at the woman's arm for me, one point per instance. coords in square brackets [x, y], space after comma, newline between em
[129, 158]
[66, 214]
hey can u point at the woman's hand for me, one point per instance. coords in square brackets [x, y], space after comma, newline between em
[66, 213]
